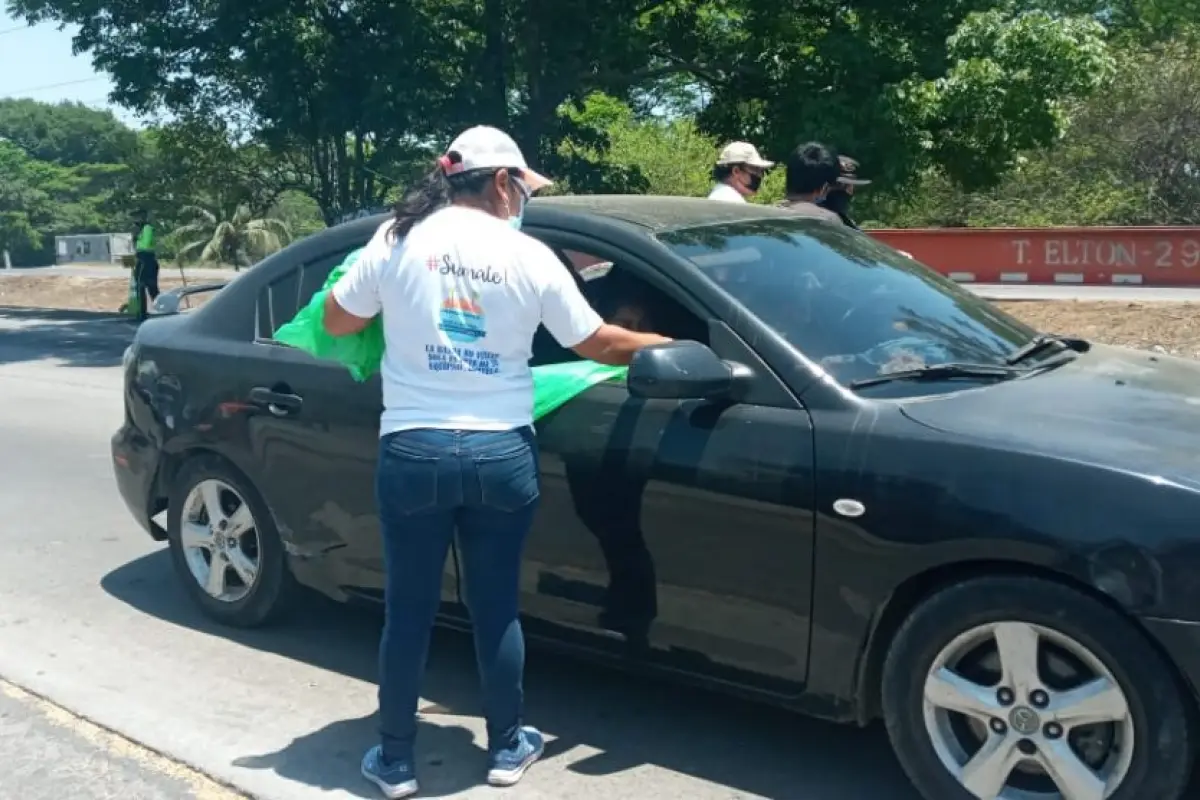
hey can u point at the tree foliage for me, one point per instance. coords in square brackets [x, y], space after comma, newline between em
[69, 134]
[42, 199]
[239, 240]
[1130, 157]
[355, 96]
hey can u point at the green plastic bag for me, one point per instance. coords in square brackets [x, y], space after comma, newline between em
[556, 384]
[133, 300]
[361, 352]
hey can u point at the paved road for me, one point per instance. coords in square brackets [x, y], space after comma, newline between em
[91, 618]
[50, 754]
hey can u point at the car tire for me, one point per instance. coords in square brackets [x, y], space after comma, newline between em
[1072, 635]
[248, 602]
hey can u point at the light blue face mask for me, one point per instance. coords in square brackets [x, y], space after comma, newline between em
[516, 221]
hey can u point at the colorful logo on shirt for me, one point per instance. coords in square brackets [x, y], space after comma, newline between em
[462, 318]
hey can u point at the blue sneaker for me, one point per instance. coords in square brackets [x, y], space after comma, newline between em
[396, 779]
[509, 766]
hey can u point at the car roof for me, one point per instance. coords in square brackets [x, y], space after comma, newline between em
[654, 213]
[644, 214]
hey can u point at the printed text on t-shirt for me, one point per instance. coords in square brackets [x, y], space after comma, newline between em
[461, 359]
[446, 266]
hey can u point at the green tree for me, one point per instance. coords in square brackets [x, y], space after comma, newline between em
[611, 150]
[66, 133]
[358, 95]
[1128, 158]
[20, 203]
[241, 240]
[40, 200]
[197, 161]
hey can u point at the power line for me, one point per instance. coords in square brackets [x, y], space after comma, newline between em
[54, 85]
[14, 29]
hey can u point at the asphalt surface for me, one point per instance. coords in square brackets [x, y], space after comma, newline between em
[49, 753]
[92, 618]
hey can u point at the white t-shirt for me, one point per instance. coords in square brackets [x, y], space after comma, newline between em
[462, 296]
[723, 191]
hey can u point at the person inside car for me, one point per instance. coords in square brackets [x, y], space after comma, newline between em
[738, 173]
[462, 291]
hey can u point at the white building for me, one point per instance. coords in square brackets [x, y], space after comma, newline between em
[93, 248]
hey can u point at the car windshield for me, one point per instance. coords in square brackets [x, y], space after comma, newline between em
[853, 305]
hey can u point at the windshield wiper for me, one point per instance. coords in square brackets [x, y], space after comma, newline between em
[939, 371]
[1042, 343]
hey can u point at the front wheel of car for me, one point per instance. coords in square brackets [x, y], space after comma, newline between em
[225, 546]
[1018, 688]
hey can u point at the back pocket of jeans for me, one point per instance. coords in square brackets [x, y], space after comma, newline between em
[407, 483]
[508, 482]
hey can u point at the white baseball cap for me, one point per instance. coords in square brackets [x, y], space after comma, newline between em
[742, 153]
[485, 147]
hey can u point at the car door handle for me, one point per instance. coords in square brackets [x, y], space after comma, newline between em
[279, 404]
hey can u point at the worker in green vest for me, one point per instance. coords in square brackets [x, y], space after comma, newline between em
[146, 263]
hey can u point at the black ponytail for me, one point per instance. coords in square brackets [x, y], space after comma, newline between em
[436, 191]
[419, 201]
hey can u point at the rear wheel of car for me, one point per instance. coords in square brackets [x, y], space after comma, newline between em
[225, 546]
[1018, 688]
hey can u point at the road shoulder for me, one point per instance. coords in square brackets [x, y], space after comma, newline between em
[51, 753]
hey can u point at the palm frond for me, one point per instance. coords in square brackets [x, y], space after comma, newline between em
[188, 251]
[202, 215]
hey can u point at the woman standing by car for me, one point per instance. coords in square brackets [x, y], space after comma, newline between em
[462, 291]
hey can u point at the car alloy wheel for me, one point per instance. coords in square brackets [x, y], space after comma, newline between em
[1019, 687]
[1017, 711]
[220, 541]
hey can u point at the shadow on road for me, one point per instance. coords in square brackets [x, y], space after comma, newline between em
[74, 338]
[624, 721]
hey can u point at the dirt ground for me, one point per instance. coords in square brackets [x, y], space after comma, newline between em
[1166, 327]
[76, 293]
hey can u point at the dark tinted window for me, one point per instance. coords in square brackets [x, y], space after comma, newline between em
[846, 301]
[283, 297]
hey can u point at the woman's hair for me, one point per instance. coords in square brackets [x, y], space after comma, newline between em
[435, 191]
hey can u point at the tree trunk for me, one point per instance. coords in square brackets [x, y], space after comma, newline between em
[495, 64]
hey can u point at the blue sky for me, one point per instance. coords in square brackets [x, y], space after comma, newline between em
[36, 62]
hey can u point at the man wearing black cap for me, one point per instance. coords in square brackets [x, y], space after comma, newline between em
[837, 199]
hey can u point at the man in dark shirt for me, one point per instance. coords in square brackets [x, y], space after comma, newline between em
[838, 198]
[812, 170]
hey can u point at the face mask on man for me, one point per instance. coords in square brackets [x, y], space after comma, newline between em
[515, 221]
[755, 182]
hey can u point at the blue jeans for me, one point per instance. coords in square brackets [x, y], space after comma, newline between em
[431, 483]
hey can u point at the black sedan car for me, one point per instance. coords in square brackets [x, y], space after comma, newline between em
[851, 487]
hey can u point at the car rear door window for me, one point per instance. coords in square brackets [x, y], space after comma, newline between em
[283, 297]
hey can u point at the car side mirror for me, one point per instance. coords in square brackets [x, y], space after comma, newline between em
[685, 371]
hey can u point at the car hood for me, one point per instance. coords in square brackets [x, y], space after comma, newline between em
[1126, 409]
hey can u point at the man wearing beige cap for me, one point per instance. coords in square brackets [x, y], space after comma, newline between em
[738, 173]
